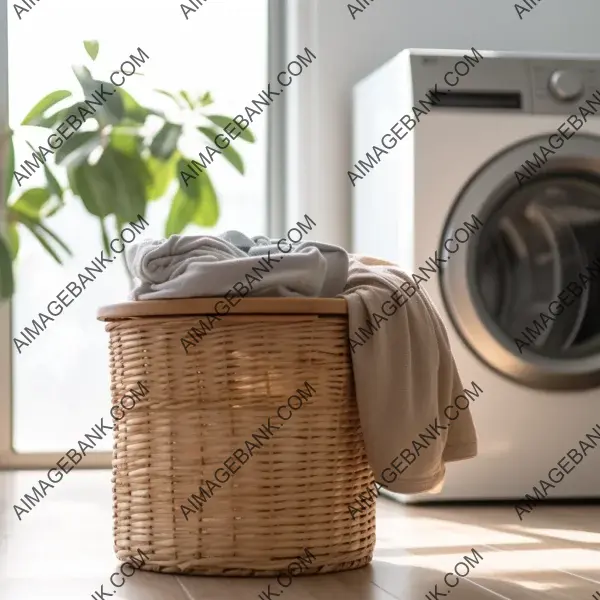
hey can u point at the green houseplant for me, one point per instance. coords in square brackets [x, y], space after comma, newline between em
[128, 158]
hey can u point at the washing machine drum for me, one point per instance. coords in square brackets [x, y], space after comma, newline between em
[545, 237]
[532, 304]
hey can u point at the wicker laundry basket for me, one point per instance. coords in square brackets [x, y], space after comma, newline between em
[205, 402]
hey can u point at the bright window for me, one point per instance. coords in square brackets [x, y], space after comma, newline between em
[61, 381]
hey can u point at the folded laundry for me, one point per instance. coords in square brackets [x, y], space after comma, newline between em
[405, 376]
[208, 266]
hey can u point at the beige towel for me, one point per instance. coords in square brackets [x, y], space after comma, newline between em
[405, 376]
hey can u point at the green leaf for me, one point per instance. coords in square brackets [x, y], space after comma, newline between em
[55, 237]
[10, 167]
[104, 234]
[181, 213]
[112, 110]
[30, 203]
[43, 105]
[44, 244]
[187, 98]
[53, 208]
[172, 97]
[229, 153]
[165, 142]
[206, 99]
[202, 193]
[133, 110]
[92, 47]
[207, 211]
[222, 122]
[84, 76]
[72, 179]
[12, 240]
[37, 228]
[77, 148]
[7, 283]
[94, 187]
[162, 174]
[53, 185]
[127, 176]
[125, 142]
[53, 120]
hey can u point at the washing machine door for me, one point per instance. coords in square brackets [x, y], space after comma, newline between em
[530, 308]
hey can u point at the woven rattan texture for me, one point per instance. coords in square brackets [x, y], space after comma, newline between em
[292, 494]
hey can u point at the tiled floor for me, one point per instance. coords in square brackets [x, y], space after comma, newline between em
[62, 550]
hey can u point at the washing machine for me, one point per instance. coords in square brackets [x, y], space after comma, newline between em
[503, 158]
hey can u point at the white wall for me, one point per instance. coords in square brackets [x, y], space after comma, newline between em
[320, 118]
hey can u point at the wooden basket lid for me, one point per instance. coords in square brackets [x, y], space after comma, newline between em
[208, 306]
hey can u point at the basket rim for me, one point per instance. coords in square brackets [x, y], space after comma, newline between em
[207, 306]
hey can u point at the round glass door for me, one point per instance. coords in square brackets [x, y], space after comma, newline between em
[530, 308]
[537, 268]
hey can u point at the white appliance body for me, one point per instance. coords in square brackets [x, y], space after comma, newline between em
[455, 163]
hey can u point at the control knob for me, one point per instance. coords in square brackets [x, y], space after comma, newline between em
[566, 85]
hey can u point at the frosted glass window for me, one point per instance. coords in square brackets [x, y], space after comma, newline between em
[61, 381]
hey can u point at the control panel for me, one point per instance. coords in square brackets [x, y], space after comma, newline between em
[561, 88]
[539, 84]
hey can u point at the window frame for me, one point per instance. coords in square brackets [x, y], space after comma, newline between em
[276, 218]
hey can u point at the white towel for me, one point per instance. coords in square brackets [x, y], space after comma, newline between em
[405, 376]
[208, 266]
